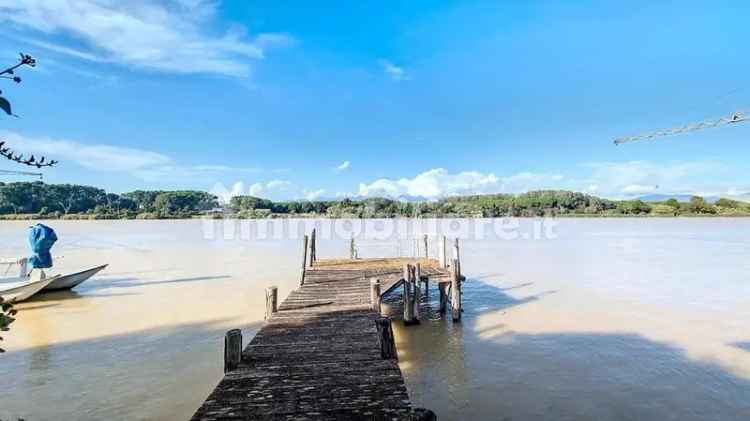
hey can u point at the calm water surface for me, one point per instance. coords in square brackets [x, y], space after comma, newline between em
[615, 319]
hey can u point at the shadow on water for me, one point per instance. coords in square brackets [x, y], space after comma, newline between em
[464, 372]
[137, 282]
[162, 373]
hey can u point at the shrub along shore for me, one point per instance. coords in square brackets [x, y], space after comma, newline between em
[37, 200]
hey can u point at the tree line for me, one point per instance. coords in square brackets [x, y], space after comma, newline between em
[35, 199]
[63, 200]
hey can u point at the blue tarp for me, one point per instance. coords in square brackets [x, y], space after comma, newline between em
[41, 240]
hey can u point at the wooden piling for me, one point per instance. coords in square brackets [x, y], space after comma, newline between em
[387, 341]
[232, 349]
[304, 260]
[352, 249]
[455, 290]
[443, 251]
[313, 251]
[375, 295]
[426, 247]
[417, 298]
[442, 288]
[456, 250]
[408, 306]
[272, 298]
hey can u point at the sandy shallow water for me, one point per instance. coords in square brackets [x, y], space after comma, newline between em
[612, 319]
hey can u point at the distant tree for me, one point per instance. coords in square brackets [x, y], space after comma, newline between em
[727, 203]
[700, 206]
[633, 207]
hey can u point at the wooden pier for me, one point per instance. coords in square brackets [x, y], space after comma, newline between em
[326, 353]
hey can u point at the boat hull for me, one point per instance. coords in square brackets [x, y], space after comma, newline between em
[26, 291]
[67, 282]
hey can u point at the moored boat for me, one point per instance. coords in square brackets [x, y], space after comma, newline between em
[25, 291]
[65, 282]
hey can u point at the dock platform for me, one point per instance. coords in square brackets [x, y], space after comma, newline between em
[326, 353]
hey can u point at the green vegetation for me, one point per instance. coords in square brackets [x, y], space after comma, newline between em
[67, 201]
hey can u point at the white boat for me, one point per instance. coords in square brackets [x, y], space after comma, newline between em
[26, 291]
[65, 282]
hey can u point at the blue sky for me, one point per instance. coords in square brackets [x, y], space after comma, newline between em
[303, 99]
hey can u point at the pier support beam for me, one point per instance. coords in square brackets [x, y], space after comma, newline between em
[272, 299]
[456, 290]
[443, 289]
[232, 349]
[304, 260]
[408, 294]
[443, 247]
[387, 341]
[417, 296]
[375, 295]
[313, 246]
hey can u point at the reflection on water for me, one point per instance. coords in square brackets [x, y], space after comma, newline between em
[614, 319]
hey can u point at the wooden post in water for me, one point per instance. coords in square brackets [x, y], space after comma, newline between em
[352, 249]
[304, 260]
[387, 341]
[313, 247]
[416, 299]
[272, 299]
[443, 251]
[408, 307]
[442, 288]
[426, 253]
[456, 251]
[232, 349]
[456, 290]
[375, 295]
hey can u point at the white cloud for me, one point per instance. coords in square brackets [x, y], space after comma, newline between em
[343, 166]
[93, 156]
[639, 189]
[628, 178]
[256, 189]
[395, 72]
[170, 35]
[224, 194]
[438, 182]
[315, 194]
[278, 184]
[142, 163]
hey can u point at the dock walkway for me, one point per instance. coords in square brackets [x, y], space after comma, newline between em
[320, 355]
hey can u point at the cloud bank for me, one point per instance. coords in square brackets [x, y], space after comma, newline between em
[170, 36]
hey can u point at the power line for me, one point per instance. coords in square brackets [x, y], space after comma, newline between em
[736, 117]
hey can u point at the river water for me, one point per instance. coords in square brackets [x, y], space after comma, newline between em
[595, 319]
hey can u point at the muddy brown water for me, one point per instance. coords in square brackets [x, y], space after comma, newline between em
[614, 319]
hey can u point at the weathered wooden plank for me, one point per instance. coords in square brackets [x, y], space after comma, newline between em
[325, 354]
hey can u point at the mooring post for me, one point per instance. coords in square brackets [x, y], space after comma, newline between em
[416, 299]
[352, 249]
[304, 260]
[387, 341]
[375, 295]
[313, 251]
[442, 287]
[426, 253]
[456, 251]
[272, 299]
[408, 307]
[456, 290]
[232, 349]
[443, 252]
